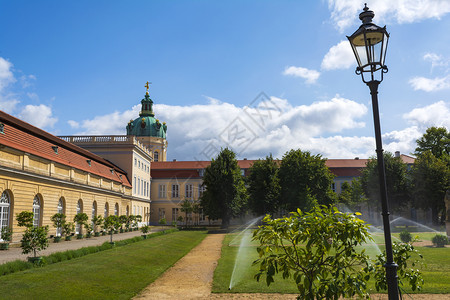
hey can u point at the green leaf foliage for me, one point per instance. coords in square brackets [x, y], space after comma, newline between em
[407, 259]
[264, 186]
[436, 140]
[317, 250]
[34, 239]
[440, 240]
[58, 220]
[225, 196]
[431, 180]
[397, 182]
[305, 180]
[25, 219]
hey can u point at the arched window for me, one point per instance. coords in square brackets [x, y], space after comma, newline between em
[128, 211]
[94, 211]
[4, 210]
[155, 156]
[106, 213]
[116, 209]
[60, 207]
[36, 211]
[79, 210]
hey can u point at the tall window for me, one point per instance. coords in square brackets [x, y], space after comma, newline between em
[148, 188]
[333, 187]
[134, 185]
[60, 210]
[162, 213]
[139, 186]
[79, 210]
[106, 211]
[155, 156]
[201, 216]
[94, 212]
[60, 207]
[188, 193]
[4, 210]
[116, 209]
[175, 190]
[36, 211]
[128, 210]
[162, 191]
[201, 189]
[174, 214]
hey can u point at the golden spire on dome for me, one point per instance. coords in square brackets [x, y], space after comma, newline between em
[147, 86]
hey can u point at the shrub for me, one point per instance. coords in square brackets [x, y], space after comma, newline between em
[440, 240]
[405, 236]
[162, 221]
[6, 234]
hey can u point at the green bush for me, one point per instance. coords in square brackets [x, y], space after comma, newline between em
[405, 236]
[162, 221]
[440, 240]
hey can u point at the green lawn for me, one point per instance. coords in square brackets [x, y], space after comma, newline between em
[119, 273]
[436, 270]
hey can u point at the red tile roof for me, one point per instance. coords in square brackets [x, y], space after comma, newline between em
[25, 137]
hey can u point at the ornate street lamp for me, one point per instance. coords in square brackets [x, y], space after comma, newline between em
[369, 44]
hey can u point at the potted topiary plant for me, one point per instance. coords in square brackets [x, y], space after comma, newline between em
[34, 239]
[80, 219]
[111, 223]
[6, 235]
[89, 229]
[122, 220]
[145, 229]
[97, 221]
[162, 221]
[136, 223]
[58, 220]
[68, 229]
[405, 236]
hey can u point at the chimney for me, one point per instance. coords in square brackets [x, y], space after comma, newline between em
[397, 153]
[356, 158]
[174, 159]
[245, 158]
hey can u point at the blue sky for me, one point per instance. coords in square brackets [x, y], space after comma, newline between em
[259, 76]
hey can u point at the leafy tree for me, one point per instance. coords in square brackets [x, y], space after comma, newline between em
[352, 193]
[225, 196]
[123, 220]
[186, 207]
[264, 186]
[80, 219]
[111, 223]
[58, 220]
[34, 239]
[305, 181]
[431, 180]
[397, 182]
[317, 250]
[436, 140]
[96, 222]
[25, 219]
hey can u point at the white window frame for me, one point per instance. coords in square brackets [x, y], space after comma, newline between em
[175, 191]
[162, 191]
[189, 191]
[5, 205]
[36, 211]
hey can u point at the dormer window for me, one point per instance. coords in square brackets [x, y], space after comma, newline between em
[89, 162]
[55, 149]
[2, 128]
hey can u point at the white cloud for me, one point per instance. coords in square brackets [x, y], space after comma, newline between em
[73, 124]
[271, 126]
[8, 105]
[38, 115]
[345, 13]
[430, 84]
[436, 114]
[311, 76]
[436, 60]
[6, 75]
[339, 56]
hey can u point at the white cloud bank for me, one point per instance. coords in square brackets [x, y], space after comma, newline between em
[430, 84]
[344, 13]
[273, 125]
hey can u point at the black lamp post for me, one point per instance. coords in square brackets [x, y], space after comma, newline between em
[369, 44]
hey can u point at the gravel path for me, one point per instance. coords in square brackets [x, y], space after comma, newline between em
[15, 252]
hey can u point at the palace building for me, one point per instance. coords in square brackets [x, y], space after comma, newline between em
[111, 174]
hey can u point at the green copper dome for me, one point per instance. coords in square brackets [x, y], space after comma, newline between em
[147, 124]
